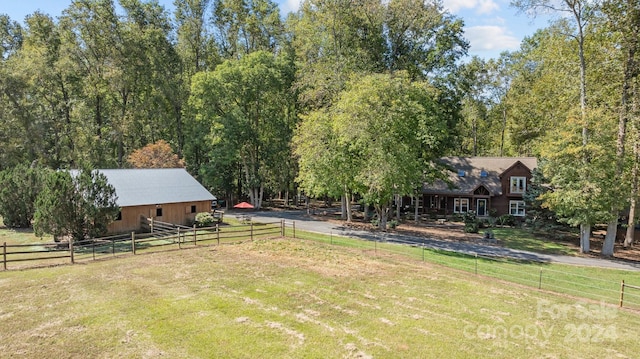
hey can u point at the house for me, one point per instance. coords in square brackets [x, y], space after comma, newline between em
[486, 185]
[165, 194]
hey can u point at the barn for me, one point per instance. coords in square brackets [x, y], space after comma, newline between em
[165, 194]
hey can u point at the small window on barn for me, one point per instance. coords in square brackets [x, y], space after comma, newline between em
[159, 212]
[119, 216]
[483, 173]
[193, 208]
[461, 173]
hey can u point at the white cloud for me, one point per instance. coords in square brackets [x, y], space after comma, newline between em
[490, 38]
[480, 6]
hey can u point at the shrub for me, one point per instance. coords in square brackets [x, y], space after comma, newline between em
[471, 223]
[204, 219]
[507, 220]
[393, 224]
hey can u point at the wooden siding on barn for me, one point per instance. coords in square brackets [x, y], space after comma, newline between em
[176, 213]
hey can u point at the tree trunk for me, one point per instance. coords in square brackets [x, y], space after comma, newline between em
[610, 238]
[383, 213]
[504, 128]
[631, 225]
[585, 236]
[347, 203]
[398, 204]
[633, 198]
[416, 203]
[343, 207]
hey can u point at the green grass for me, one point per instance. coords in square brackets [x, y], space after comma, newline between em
[592, 283]
[295, 299]
[515, 238]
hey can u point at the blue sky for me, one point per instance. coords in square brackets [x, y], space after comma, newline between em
[491, 26]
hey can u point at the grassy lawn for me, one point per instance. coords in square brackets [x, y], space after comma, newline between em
[515, 238]
[586, 282]
[295, 299]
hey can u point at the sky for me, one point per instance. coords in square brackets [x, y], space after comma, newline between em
[491, 26]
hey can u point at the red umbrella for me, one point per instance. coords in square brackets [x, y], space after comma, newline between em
[243, 205]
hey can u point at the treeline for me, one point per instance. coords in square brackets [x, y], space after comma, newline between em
[226, 83]
[339, 98]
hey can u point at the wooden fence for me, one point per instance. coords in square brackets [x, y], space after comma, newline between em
[20, 256]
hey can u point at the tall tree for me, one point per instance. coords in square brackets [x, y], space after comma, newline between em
[579, 11]
[246, 104]
[245, 26]
[623, 18]
[383, 131]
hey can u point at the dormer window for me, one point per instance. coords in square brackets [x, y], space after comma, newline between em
[461, 173]
[518, 185]
[483, 173]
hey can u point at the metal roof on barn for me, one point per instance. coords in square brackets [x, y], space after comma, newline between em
[149, 186]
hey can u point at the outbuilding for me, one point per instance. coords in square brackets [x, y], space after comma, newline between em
[169, 195]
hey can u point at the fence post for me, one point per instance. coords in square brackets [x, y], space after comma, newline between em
[93, 249]
[4, 255]
[151, 224]
[218, 233]
[179, 247]
[540, 280]
[251, 229]
[195, 236]
[294, 229]
[113, 247]
[621, 293]
[71, 250]
[423, 252]
[133, 242]
[282, 228]
[331, 237]
[476, 263]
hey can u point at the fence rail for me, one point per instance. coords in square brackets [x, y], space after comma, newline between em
[20, 256]
[540, 276]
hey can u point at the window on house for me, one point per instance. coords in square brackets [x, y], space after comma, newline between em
[518, 184]
[516, 208]
[193, 208]
[460, 205]
[159, 212]
[119, 216]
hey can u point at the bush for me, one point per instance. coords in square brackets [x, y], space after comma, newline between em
[507, 220]
[393, 224]
[471, 224]
[204, 219]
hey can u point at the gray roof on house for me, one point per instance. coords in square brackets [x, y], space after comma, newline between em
[136, 187]
[474, 168]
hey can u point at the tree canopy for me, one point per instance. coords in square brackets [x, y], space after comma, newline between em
[338, 98]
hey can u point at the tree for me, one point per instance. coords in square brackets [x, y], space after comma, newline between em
[19, 189]
[246, 26]
[247, 109]
[384, 130]
[79, 204]
[580, 11]
[155, 155]
[623, 18]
